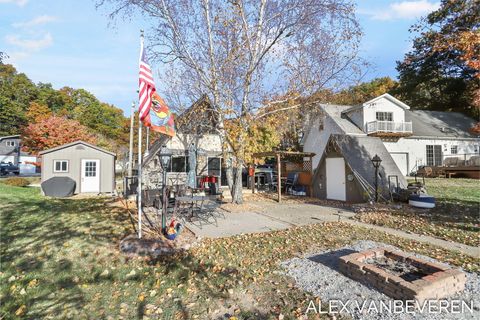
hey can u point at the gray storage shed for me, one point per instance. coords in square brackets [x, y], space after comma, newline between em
[92, 168]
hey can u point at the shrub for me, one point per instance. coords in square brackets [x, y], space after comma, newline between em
[16, 182]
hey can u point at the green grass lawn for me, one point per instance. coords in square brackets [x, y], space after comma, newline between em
[455, 218]
[454, 190]
[60, 259]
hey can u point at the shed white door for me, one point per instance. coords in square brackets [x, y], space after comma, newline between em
[90, 176]
[336, 179]
[401, 160]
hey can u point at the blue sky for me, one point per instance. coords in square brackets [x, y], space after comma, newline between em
[71, 43]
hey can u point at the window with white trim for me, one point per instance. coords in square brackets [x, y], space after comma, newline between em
[60, 165]
[384, 116]
[10, 143]
[454, 149]
[179, 164]
[434, 155]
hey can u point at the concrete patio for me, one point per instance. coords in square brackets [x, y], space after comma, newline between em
[270, 216]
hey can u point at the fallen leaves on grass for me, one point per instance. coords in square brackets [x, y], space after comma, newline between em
[466, 233]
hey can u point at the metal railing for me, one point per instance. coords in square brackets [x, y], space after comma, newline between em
[460, 160]
[389, 126]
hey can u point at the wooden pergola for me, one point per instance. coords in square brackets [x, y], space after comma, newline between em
[278, 156]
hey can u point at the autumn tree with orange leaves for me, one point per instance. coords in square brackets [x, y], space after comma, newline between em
[52, 132]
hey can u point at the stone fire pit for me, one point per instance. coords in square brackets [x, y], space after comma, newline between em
[402, 276]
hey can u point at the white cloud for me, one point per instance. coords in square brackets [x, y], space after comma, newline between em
[30, 45]
[35, 21]
[20, 3]
[403, 10]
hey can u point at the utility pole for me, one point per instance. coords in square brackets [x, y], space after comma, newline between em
[130, 151]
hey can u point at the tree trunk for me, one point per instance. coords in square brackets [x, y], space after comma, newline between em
[237, 196]
[230, 177]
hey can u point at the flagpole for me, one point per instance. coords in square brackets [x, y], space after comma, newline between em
[139, 196]
[130, 149]
[147, 147]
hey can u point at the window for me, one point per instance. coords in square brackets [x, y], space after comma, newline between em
[454, 150]
[179, 164]
[384, 116]
[90, 169]
[60, 165]
[10, 143]
[434, 155]
[214, 166]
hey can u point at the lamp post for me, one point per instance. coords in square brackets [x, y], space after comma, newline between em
[165, 157]
[376, 164]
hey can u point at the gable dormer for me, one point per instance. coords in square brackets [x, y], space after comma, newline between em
[381, 116]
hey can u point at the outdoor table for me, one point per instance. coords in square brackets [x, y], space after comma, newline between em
[190, 203]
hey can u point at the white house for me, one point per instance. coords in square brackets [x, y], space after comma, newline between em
[10, 151]
[413, 138]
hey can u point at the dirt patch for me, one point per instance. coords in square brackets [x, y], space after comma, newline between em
[156, 246]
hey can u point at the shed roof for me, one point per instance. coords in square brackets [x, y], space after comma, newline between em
[75, 143]
[10, 137]
[282, 153]
[358, 152]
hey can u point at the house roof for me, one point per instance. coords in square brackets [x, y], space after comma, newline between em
[358, 152]
[388, 97]
[385, 95]
[335, 112]
[75, 143]
[440, 124]
[10, 137]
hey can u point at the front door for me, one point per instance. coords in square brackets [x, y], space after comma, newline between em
[336, 179]
[90, 175]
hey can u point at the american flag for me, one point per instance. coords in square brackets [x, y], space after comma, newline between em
[146, 84]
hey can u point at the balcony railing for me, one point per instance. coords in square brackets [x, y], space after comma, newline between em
[389, 128]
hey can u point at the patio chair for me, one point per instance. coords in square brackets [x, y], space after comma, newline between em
[291, 181]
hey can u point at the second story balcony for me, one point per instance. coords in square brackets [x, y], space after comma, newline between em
[389, 129]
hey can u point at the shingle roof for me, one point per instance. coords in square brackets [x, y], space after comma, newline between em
[440, 124]
[10, 137]
[358, 152]
[335, 112]
[75, 143]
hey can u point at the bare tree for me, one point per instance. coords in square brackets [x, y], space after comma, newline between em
[245, 52]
